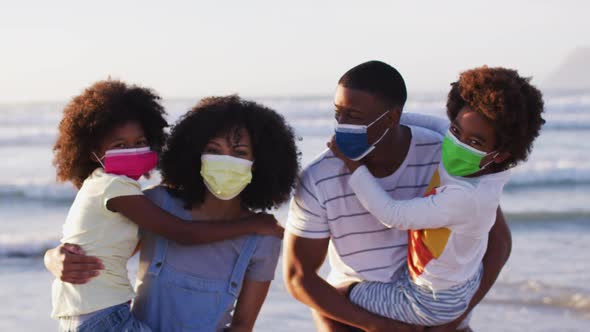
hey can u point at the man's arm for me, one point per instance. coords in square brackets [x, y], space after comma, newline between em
[302, 259]
[497, 254]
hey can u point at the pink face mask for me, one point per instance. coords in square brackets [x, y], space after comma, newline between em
[132, 163]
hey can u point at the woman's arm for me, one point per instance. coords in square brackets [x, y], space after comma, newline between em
[149, 216]
[249, 303]
[68, 263]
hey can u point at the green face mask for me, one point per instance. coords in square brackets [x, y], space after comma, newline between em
[460, 159]
[225, 176]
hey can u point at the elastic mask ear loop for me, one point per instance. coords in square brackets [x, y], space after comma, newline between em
[379, 118]
[491, 161]
[98, 159]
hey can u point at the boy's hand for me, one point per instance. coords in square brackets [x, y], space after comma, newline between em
[68, 263]
[266, 224]
[350, 164]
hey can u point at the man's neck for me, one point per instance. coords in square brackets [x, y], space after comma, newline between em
[390, 153]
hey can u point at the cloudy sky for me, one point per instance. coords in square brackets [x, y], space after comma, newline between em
[50, 50]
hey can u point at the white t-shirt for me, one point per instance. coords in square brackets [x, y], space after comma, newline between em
[325, 206]
[101, 233]
[449, 229]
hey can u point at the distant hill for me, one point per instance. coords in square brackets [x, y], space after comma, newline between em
[573, 73]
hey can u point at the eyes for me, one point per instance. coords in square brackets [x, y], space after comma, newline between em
[471, 141]
[140, 143]
[242, 152]
[350, 114]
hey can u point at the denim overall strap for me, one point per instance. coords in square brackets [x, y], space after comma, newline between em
[161, 246]
[239, 270]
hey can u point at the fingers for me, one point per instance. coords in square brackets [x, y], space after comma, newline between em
[73, 248]
[76, 259]
[78, 277]
[83, 267]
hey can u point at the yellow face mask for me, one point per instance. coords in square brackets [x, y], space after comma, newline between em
[225, 176]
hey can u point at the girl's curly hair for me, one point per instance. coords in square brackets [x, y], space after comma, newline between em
[92, 115]
[508, 101]
[276, 158]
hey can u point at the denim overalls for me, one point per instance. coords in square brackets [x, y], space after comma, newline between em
[170, 301]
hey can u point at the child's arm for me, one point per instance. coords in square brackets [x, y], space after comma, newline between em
[445, 208]
[140, 210]
[435, 123]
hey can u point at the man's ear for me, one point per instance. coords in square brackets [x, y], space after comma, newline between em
[393, 117]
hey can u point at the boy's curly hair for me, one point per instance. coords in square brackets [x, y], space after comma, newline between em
[276, 158]
[508, 101]
[92, 115]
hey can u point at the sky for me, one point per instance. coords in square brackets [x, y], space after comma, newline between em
[52, 50]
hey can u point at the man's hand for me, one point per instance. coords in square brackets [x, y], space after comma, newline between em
[267, 224]
[68, 263]
[350, 164]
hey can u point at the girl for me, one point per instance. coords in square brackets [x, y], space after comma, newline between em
[109, 137]
[495, 116]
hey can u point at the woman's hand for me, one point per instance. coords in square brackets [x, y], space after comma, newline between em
[350, 164]
[266, 224]
[68, 263]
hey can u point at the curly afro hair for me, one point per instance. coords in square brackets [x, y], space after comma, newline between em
[92, 115]
[508, 101]
[276, 158]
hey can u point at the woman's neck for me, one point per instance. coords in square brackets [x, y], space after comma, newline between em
[214, 208]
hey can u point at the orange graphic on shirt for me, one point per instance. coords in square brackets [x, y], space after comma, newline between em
[425, 245]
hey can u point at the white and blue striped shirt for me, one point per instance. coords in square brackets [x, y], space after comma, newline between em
[325, 206]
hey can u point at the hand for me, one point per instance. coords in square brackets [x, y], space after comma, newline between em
[68, 263]
[388, 325]
[266, 224]
[350, 164]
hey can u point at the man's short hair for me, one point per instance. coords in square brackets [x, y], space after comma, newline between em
[378, 79]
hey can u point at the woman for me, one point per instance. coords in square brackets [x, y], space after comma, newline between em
[225, 159]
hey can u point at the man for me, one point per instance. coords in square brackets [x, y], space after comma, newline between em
[325, 216]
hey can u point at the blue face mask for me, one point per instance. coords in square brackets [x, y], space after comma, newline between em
[352, 140]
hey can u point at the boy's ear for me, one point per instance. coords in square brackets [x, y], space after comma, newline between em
[501, 157]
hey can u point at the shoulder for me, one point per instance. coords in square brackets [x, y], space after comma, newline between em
[325, 166]
[268, 249]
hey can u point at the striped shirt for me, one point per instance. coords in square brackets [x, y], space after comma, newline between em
[325, 206]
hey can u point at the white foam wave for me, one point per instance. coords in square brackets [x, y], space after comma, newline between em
[26, 245]
[536, 293]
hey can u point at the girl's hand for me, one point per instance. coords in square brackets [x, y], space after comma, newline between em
[350, 164]
[266, 224]
[68, 263]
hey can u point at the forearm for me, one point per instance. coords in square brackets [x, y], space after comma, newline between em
[434, 123]
[147, 215]
[416, 213]
[316, 293]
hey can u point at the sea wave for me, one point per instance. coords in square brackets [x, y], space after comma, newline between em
[26, 245]
[536, 293]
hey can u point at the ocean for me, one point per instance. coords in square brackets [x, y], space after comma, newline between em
[545, 286]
